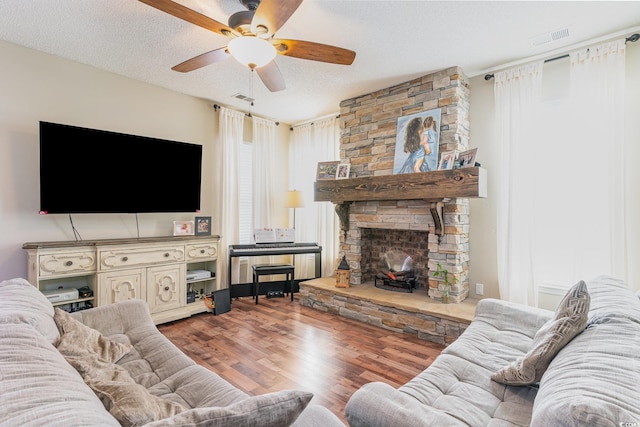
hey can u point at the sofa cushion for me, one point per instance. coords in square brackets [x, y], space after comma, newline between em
[93, 356]
[155, 362]
[21, 302]
[268, 410]
[593, 381]
[78, 339]
[457, 389]
[570, 319]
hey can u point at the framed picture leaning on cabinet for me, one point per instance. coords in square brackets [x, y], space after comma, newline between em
[183, 228]
[203, 226]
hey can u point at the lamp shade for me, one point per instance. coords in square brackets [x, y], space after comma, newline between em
[294, 199]
[251, 51]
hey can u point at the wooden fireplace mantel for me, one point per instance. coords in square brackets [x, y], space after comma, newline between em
[434, 187]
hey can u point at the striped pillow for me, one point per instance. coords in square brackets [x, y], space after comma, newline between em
[570, 319]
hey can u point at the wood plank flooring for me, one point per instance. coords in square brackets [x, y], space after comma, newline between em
[279, 344]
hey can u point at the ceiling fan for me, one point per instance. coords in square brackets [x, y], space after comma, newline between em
[252, 39]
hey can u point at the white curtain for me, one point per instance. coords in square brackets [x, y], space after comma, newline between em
[264, 142]
[597, 100]
[562, 214]
[517, 94]
[317, 221]
[227, 170]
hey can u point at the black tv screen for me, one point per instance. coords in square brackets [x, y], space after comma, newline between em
[93, 171]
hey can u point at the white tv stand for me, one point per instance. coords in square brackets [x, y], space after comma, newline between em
[153, 269]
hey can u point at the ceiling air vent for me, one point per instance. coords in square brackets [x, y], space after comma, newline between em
[551, 36]
[242, 97]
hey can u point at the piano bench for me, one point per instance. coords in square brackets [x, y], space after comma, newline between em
[268, 269]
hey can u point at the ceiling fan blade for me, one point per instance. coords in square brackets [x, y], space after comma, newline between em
[272, 14]
[202, 60]
[314, 51]
[190, 15]
[271, 76]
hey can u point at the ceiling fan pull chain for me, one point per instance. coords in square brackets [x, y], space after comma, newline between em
[251, 90]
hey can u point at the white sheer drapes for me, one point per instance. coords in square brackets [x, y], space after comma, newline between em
[317, 221]
[597, 94]
[227, 170]
[562, 214]
[264, 142]
[517, 97]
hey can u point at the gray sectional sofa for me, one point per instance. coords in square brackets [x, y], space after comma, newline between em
[593, 380]
[110, 366]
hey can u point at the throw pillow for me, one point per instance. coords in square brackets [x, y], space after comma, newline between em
[77, 338]
[277, 409]
[129, 402]
[570, 319]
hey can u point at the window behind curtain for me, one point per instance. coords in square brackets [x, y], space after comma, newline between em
[245, 196]
[571, 210]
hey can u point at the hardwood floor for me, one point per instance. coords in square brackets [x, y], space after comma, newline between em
[279, 344]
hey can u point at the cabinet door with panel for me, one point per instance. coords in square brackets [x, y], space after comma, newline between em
[122, 285]
[166, 287]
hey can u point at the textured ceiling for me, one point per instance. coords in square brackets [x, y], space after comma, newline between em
[395, 41]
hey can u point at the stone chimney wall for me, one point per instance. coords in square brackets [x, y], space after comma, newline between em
[368, 141]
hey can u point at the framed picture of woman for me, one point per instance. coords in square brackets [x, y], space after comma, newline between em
[417, 142]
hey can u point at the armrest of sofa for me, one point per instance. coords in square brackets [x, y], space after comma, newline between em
[378, 404]
[507, 316]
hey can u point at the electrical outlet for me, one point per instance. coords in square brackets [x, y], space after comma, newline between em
[479, 288]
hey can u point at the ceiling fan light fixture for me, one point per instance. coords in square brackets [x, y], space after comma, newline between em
[252, 51]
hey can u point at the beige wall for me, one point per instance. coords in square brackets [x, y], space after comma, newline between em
[36, 86]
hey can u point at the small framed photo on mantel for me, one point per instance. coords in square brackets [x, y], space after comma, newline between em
[447, 160]
[466, 159]
[203, 225]
[343, 171]
[327, 170]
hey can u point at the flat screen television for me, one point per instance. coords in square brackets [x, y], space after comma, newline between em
[94, 171]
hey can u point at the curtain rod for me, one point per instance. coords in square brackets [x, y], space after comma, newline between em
[632, 38]
[216, 107]
[310, 121]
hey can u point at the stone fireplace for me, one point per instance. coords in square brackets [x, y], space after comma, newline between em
[408, 225]
[425, 215]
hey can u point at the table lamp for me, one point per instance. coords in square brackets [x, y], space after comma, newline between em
[294, 200]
